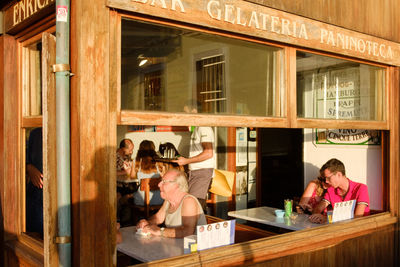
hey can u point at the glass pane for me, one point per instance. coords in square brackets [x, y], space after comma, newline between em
[331, 88]
[34, 182]
[164, 69]
[32, 79]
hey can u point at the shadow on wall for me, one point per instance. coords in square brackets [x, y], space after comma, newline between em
[98, 217]
[2, 263]
[12, 260]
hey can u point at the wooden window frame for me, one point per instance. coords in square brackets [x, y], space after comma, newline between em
[28, 244]
[296, 242]
[129, 117]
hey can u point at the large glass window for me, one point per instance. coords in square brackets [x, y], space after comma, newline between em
[165, 68]
[332, 88]
[278, 163]
[32, 79]
[31, 85]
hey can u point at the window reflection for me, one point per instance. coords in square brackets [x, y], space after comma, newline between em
[163, 68]
[32, 79]
[331, 88]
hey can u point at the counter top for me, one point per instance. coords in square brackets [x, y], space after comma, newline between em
[266, 215]
[148, 248]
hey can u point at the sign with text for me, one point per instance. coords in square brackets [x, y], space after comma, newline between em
[347, 137]
[343, 210]
[338, 94]
[260, 21]
[26, 12]
[215, 234]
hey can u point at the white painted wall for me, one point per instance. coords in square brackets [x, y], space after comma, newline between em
[363, 164]
[181, 140]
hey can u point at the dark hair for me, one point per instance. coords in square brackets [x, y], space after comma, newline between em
[168, 146]
[146, 154]
[124, 143]
[333, 165]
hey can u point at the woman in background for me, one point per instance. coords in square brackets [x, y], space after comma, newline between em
[313, 194]
[146, 167]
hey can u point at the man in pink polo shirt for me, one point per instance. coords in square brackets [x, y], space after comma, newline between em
[341, 189]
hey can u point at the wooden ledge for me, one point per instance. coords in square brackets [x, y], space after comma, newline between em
[273, 247]
[24, 253]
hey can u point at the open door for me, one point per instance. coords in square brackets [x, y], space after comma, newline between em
[49, 150]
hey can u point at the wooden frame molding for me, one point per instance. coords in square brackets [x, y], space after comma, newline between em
[274, 247]
[184, 119]
[263, 22]
[289, 244]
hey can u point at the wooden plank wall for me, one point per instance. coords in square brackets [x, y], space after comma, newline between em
[366, 242]
[49, 150]
[1, 148]
[377, 18]
[10, 134]
[93, 137]
[371, 250]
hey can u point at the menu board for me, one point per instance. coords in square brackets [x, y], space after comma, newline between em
[343, 210]
[215, 234]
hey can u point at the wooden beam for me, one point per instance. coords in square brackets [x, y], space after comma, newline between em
[12, 204]
[184, 119]
[93, 145]
[293, 244]
[50, 208]
[266, 23]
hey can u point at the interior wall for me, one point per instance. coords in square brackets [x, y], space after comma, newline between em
[363, 164]
[181, 140]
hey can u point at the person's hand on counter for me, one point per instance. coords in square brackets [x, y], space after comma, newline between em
[317, 218]
[142, 224]
[152, 229]
[304, 208]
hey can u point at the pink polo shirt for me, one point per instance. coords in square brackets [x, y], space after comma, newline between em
[357, 191]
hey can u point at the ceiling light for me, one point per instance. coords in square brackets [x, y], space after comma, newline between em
[143, 62]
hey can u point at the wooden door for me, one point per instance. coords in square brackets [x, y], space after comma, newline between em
[49, 150]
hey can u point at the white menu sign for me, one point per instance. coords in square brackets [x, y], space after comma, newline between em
[343, 210]
[215, 234]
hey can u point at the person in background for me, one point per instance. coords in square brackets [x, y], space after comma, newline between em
[341, 189]
[313, 194]
[118, 234]
[201, 158]
[34, 187]
[126, 183]
[181, 212]
[146, 167]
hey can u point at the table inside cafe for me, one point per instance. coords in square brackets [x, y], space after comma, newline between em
[148, 248]
[266, 215]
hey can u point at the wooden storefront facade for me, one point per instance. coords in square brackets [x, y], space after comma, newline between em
[345, 30]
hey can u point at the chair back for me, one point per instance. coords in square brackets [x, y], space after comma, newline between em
[147, 185]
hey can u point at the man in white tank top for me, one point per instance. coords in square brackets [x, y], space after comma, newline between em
[181, 212]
